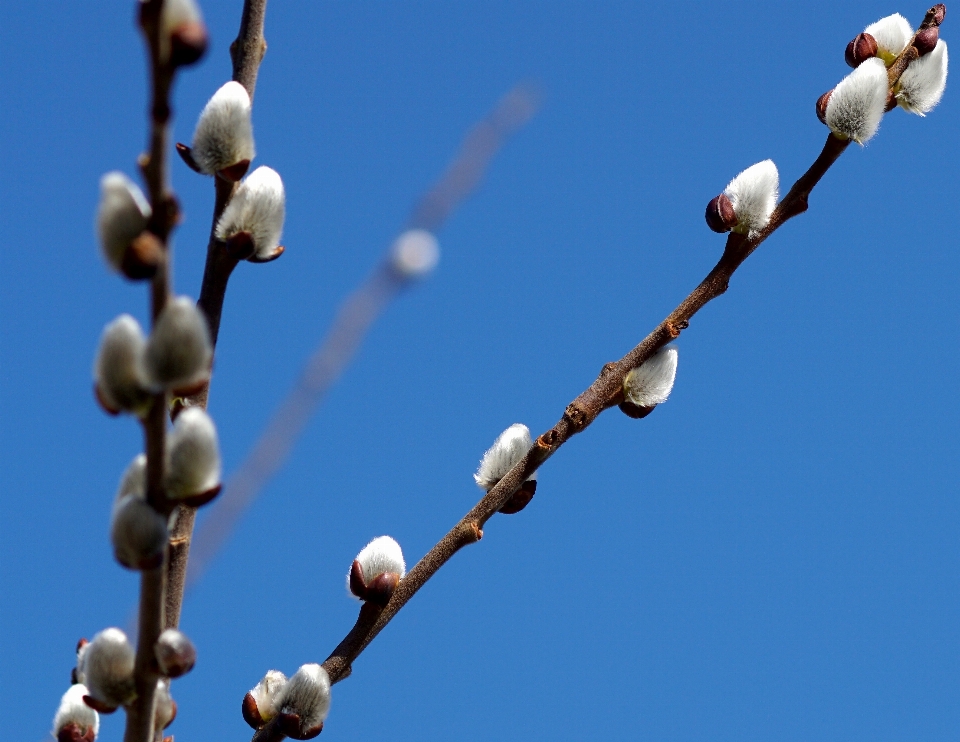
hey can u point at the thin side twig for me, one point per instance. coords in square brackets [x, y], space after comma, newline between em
[246, 53]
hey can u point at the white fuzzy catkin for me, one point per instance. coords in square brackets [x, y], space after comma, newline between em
[922, 83]
[175, 14]
[511, 446]
[267, 694]
[224, 134]
[108, 667]
[753, 195]
[138, 533]
[307, 694]
[121, 216]
[856, 104]
[892, 34]
[72, 710]
[652, 381]
[118, 369]
[415, 253]
[380, 556]
[193, 455]
[258, 207]
[179, 351]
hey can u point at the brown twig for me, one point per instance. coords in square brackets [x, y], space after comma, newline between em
[352, 322]
[140, 713]
[579, 414]
[246, 53]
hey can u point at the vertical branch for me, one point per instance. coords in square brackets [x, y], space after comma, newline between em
[247, 52]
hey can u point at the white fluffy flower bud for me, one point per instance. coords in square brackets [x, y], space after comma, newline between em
[261, 703]
[193, 458]
[922, 83]
[74, 720]
[511, 446]
[753, 196]
[223, 140]
[108, 669]
[854, 108]
[118, 370]
[415, 253]
[377, 570]
[650, 383]
[179, 352]
[137, 531]
[183, 37]
[305, 702]
[891, 34]
[121, 217]
[256, 211]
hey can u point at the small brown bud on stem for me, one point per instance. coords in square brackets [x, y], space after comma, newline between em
[720, 215]
[926, 40]
[862, 48]
[822, 102]
[521, 498]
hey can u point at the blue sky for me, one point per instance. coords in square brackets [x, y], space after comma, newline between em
[772, 554]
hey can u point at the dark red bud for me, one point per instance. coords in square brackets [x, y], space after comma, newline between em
[81, 644]
[382, 587]
[73, 733]
[311, 733]
[822, 102]
[635, 411]
[188, 43]
[175, 653]
[862, 48]
[233, 173]
[358, 585]
[141, 258]
[720, 215]
[201, 498]
[190, 389]
[250, 711]
[277, 252]
[521, 498]
[99, 706]
[891, 102]
[926, 40]
[290, 725]
[186, 154]
[240, 245]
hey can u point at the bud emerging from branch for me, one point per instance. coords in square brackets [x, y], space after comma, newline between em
[175, 653]
[855, 107]
[922, 83]
[415, 253]
[650, 383]
[256, 211]
[165, 708]
[747, 202]
[511, 446]
[193, 458]
[74, 720]
[305, 702]
[179, 352]
[118, 370]
[183, 37]
[377, 570]
[892, 34]
[862, 48]
[108, 668]
[223, 140]
[121, 217]
[137, 531]
[262, 703]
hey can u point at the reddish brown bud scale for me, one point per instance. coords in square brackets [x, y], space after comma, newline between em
[188, 43]
[860, 49]
[382, 588]
[290, 725]
[926, 40]
[891, 102]
[98, 706]
[240, 245]
[720, 215]
[250, 711]
[73, 733]
[637, 412]
[277, 252]
[234, 173]
[187, 156]
[822, 102]
[141, 258]
[104, 405]
[202, 498]
[358, 585]
[521, 498]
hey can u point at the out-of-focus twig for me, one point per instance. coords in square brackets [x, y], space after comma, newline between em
[352, 322]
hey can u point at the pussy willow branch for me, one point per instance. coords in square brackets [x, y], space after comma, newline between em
[354, 318]
[140, 713]
[246, 52]
[579, 414]
[603, 393]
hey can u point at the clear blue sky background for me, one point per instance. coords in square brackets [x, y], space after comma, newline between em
[772, 554]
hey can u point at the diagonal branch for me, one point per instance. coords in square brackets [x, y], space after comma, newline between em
[579, 414]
